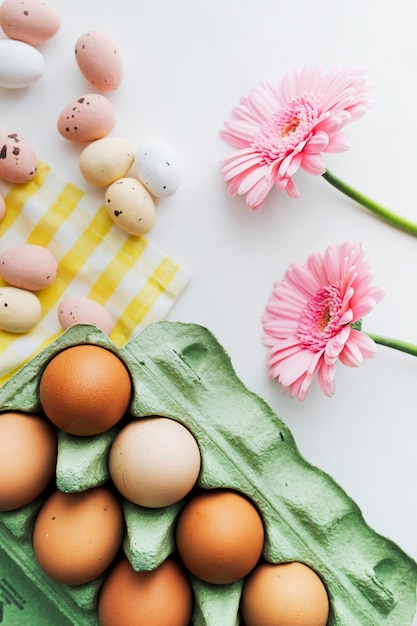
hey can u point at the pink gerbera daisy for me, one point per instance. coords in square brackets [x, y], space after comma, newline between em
[278, 129]
[311, 319]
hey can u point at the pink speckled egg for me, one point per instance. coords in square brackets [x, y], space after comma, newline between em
[88, 118]
[99, 60]
[78, 310]
[18, 161]
[31, 21]
[28, 266]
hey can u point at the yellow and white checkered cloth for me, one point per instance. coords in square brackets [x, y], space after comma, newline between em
[130, 276]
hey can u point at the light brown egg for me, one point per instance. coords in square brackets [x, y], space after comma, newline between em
[220, 536]
[160, 597]
[85, 390]
[77, 535]
[28, 451]
[287, 594]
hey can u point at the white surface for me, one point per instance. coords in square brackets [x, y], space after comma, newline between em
[186, 65]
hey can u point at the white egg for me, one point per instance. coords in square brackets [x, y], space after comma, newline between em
[21, 64]
[157, 167]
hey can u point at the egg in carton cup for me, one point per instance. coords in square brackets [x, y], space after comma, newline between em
[179, 371]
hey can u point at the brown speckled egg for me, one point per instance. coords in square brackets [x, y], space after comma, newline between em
[85, 389]
[77, 535]
[31, 21]
[28, 451]
[130, 206]
[99, 60]
[285, 594]
[87, 118]
[18, 161]
[161, 596]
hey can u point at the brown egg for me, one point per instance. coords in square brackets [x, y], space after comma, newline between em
[77, 535]
[287, 594]
[129, 598]
[85, 390]
[220, 536]
[28, 451]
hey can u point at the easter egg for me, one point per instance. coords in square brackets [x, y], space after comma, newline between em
[21, 65]
[99, 60]
[79, 310]
[157, 167]
[130, 206]
[106, 160]
[18, 161]
[28, 266]
[2, 207]
[20, 310]
[31, 21]
[87, 118]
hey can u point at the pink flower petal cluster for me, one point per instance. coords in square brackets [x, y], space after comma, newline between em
[310, 316]
[278, 129]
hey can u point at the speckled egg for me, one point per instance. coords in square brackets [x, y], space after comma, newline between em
[99, 60]
[28, 266]
[157, 167]
[32, 21]
[106, 160]
[86, 119]
[78, 310]
[20, 310]
[18, 161]
[130, 206]
[21, 65]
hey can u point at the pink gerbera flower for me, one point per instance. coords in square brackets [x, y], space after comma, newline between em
[310, 318]
[278, 129]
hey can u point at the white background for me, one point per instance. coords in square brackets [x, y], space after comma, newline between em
[186, 64]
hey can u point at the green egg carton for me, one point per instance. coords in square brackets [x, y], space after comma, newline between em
[180, 371]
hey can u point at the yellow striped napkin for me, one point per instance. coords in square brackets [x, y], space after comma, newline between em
[129, 275]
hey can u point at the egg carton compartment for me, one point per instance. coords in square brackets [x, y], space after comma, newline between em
[181, 371]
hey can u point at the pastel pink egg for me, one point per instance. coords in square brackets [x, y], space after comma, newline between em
[78, 310]
[18, 161]
[88, 118]
[28, 266]
[31, 21]
[99, 60]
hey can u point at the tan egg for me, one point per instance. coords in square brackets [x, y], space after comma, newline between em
[130, 206]
[99, 60]
[161, 596]
[286, 594]
[20, 310]
[106, 160]
[77, 535]
[31, 21]
[28, 266]
[220, 536]
[18, 162]
[28, 452]
[154, 461]
[87, 118]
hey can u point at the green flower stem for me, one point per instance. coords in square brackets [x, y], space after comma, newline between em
[374, 207]
[403, 346]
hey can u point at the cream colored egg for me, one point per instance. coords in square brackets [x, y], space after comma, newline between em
[130, 206]
[32, 21]
[87, 118]
[18, 162]
[99, 60]
[106, 160]
[21, 65]
[20, 310]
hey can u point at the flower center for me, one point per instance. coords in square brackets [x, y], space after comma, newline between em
[320, 318]
[288, 127]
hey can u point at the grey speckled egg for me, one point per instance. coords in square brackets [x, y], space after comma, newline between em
[157, 167]
[130, 206]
